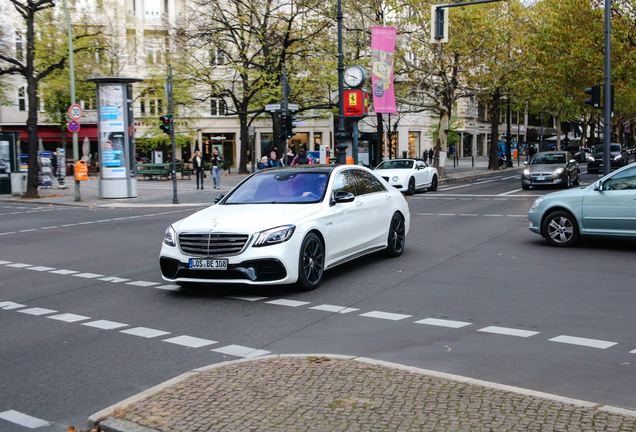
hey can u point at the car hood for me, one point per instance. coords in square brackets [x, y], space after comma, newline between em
[544, 167]
[393, 172]
[601, 154]
[246, 217]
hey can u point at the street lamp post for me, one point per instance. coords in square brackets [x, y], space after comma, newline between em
[341, 133]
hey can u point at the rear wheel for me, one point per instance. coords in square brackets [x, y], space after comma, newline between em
[560, 229]
[433, 186]
[411, 188]
[311, 263]
[397, 236]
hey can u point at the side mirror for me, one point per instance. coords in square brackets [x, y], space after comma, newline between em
[218, 198]
[343, 197]
[525, 162]
[598, 186]
[572, 160]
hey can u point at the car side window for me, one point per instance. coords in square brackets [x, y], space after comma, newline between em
[624, 180]
[343, 183]
[366, 182]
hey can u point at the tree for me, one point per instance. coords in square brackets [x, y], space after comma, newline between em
[41, 58]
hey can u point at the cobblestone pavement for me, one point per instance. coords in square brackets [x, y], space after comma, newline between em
[336, 393]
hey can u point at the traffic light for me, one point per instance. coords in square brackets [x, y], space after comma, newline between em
[595, 96]
[289, 126]
[166, 123]
[439, 24]
[283, 127]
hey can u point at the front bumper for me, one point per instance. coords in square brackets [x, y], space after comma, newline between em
[541, 180]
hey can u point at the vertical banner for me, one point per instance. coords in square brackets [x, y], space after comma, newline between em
[110, 98]
[382, 50]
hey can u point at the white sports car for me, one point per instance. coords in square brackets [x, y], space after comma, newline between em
[409, 175]
[286, 226]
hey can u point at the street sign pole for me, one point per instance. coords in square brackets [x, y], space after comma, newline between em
[175, 200]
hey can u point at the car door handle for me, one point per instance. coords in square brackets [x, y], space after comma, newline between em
[387, 197]
[358, 203]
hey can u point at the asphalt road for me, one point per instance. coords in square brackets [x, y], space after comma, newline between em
[86, 321]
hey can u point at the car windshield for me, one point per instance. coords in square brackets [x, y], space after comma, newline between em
[396, 164]
[543, 159]
[276, 187]
[616, 148]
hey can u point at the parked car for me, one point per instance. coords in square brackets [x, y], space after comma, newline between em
[287, 226]
[604, 208]
[408, 175]
[618, 158]
[551, 168]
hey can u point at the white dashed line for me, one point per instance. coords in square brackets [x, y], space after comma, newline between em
[41, 268]
[591, 343]
[64, 272]
[247, 298]
[385, 315]
[37, 311]
[8, 305]
[5, 262]
[69, 317]
[142, 283]
[240, 351]
[145, 332]
[19, 265]
[443, 323]
[334, 309]
[23, 419]
[290, 303]
[113, 279]
[88, 275]
[105, 324]
[190, 342]
[170, 287]
[508, 331]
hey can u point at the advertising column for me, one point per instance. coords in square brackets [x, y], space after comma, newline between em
[116, 138]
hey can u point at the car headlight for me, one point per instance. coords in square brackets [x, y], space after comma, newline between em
[590, 158]
[558, 171]
[536, 203]
[171, 237]
[618, 157]
[274, 236]
[526, 172]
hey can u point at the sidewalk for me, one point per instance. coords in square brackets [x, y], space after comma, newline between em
[340, 393]
[160, 193]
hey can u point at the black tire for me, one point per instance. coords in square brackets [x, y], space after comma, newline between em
[411, 188]
[568, 182]
[433, 186]
[397, 236]
[525, 186]
[577, 180]
[560, 229]
[311, 263]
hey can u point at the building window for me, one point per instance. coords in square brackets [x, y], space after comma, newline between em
[217, 57]
[218, 107]
[154, 50]
[22, 101]
[19, 46]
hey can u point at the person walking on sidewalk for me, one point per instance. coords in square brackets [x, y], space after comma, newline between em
[197, 166]
[216, 159]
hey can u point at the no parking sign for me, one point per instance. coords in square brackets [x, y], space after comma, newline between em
[73, 126]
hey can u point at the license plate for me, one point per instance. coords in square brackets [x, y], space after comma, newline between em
[540, 178]
[207, 264]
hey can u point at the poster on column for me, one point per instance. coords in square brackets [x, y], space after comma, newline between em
[111, 131]
[382, 52]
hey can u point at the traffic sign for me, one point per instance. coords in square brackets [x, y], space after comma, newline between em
[73, 126]
[75, 111]
[272, 107]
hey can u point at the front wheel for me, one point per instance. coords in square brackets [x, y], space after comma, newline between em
[397, 236]
[560, 229]
[411, 188]
[311, 263]
[433, 186]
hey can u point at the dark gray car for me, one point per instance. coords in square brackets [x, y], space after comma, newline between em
[551, 168]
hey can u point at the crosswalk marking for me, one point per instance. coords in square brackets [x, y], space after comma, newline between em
[290, 303]
[69, 317]
[591, 343]
[105, 324]
[190, 342]
[508, 331]
[37, 311]
[23, 419]
[385, 315]
[145, 332]
[334, 309]
[240, 351]
[443, 323]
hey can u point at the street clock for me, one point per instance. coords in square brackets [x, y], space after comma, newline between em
[354, 76]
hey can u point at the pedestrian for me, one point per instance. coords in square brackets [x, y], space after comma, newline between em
[216, 159]
[303, 158]
[425, 156]
[289, 157]
[431, 154]
[273, 160]
[262, 164]
[197, 166]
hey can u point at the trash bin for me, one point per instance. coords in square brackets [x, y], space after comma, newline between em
[5, 181]
[19, 183]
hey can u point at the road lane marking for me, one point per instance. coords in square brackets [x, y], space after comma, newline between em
[22, 419]
[41, 268]
[105, 324]
[142, 283]
[145, 332]
[69, 317]
[241, 351]
[113, 279]
[247, 298]
[290, 303]
[8, 305]
[37, 311]
[443, 323]
[190, 342]
[591, 343]
[19, 265]
[334, 309]
[385, 315]
[508, 331]
[64, 272]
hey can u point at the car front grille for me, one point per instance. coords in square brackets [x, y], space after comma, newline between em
[212, 244]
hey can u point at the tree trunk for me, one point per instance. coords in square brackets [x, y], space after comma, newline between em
[493, 163]
[242, 165]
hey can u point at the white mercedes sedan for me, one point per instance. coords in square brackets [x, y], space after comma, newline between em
[409, 175]
[287, 226]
